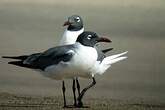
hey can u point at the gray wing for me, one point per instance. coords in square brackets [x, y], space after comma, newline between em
[50, 57]
[101, 55]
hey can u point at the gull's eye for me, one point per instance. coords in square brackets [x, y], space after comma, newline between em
[89, 37]
[77, 19]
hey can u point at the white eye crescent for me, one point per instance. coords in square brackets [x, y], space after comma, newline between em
[78, 19]
[89, 37]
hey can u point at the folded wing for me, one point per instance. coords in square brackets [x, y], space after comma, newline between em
[45, 59]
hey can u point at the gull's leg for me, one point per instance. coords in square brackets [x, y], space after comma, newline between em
[63, 90]
[78, 86]
[80, 103]
[74, 92]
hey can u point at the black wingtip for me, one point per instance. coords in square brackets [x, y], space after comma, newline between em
[4, 57]
[8, 57]
[16, 57]
[17, 63]
[106, 50]
[21, 64]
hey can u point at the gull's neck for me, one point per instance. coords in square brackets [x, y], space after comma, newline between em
[70, 37]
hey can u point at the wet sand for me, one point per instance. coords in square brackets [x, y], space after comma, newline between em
[22, 102]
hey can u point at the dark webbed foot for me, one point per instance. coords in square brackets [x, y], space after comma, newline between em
[80, 104]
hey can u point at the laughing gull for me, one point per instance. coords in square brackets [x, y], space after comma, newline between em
[69, 61]
[75, 27]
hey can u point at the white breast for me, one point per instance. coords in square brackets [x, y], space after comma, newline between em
[85, 58]
[70, 37]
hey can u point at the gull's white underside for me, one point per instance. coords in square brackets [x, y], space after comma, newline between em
[80, 65]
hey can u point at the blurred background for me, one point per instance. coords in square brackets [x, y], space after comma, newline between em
[137, 26]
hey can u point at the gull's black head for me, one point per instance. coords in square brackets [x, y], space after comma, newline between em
[74, 23]
[88, 38]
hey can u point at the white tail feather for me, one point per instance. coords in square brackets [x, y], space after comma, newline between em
[106, 63]
[114, 58]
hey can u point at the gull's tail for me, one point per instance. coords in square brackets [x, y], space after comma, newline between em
[114, 58]
[106, 63]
